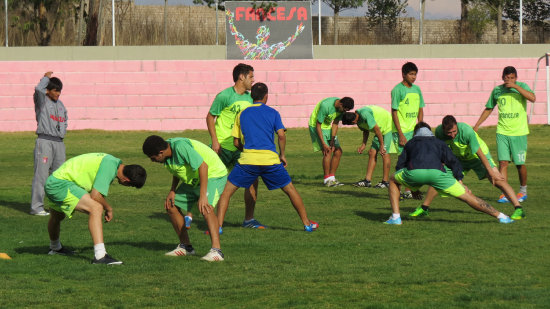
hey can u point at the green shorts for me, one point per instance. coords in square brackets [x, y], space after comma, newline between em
[395, 147]
[187, 196]
[64, 194]
[229, 158]
[316, 142]
[509, 147]
[388, 140]
[477, 166]
[443, 182]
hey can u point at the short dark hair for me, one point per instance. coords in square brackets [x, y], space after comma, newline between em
[241, 68]
[409, 67]
[153, 145]
[348, 118]
[420, 125]
[448, 122]
[136, 174]
[347, 102]
[55, 84]
[509, 70]
[258, 91]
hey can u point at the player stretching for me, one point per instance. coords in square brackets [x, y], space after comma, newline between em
[81, 184]
[323, 126]
[425, 160]
[220, 120]
[378, 120]
[255, 127]
[473, 154]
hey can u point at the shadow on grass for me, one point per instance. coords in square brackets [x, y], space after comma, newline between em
[22, 207]
[43, 250]
[359, 193]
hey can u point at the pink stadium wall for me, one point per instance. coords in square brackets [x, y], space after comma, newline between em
[173, 95]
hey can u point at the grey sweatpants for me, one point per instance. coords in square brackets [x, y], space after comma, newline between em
[48, 156]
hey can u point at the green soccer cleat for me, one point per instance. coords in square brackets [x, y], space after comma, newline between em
[419, 212]
[518, 214]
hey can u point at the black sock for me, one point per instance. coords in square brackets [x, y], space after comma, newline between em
[518, 207]
[425, 208]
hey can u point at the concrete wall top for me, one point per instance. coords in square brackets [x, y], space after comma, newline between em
[217, 52]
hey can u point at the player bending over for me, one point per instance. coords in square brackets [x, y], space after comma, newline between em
[81, 184]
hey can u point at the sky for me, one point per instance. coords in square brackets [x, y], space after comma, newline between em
[440, 9]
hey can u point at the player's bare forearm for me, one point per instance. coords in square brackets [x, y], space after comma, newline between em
[282, 141]
[211, 125]
[486, 112]
[395, 119]
[237, 143]
[420, 114]
[98, 197]
[203, 181]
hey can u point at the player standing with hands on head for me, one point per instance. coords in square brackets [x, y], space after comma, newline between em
[220, 119]
[512, 128]
[407, 106]
[49, 150]
[255, 127]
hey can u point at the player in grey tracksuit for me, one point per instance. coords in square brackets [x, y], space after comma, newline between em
[49, 150]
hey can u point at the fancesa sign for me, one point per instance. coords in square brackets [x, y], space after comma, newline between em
[283, 32]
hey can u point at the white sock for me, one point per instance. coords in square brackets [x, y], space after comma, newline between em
[55, 245]
[501, 216]
[523, 189]
[99, 251]
[395, 216]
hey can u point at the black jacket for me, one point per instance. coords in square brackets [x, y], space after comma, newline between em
[428, 152]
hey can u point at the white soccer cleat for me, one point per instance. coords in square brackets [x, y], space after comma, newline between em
[179, 251]
[213, 256]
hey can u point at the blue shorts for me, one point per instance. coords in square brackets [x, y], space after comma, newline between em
[274, 176]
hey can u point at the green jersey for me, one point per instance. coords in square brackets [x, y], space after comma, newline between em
[226, 107]
[406, 101]
[466, 142]
[372, 115]
[187, 157]
[90, 171]
[512, 106]
[325, 113]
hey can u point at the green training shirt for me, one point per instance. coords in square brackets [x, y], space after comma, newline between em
[187, 157]
[226, 106]
[512, 106]
[325, 113]
[372, 115]
[466, 142]
[90, 171]
[406, 101]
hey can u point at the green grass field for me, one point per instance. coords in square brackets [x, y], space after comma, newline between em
[455, 258]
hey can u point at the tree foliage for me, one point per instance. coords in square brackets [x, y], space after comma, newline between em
[385, 12]
[40, 17]
[479, 17]
[535, 13]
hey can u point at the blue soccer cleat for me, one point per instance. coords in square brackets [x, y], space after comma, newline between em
[311, 227]
[188, 220]
[254, 224]
[505, 220]
[393, 221]
[502, 199]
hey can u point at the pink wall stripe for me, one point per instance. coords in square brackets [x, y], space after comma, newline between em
[170, 95]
